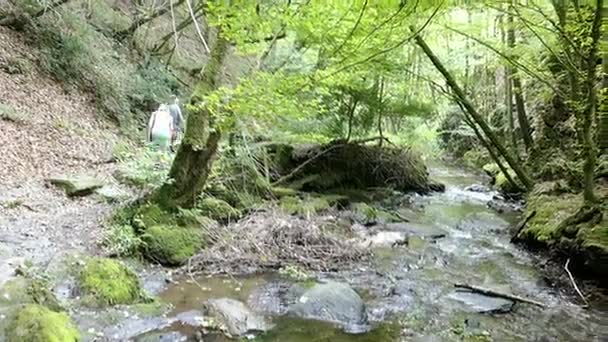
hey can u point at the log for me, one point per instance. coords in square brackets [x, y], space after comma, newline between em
[492, 293]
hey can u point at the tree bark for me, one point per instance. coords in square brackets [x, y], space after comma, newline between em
[590, 107]
[603, 100]
[197, 151]
[508, 94]
[462, 98]
[522, 117]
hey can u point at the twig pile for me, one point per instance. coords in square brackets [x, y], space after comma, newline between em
[272, 239]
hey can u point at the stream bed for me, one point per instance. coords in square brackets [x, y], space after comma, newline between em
[409, 291]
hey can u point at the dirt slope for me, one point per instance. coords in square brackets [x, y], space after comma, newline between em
[61, 133]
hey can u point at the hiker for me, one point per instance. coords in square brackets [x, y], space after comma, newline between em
[178, 122]
[160, 128]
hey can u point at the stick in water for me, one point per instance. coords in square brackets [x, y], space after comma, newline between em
[493, 293]
[574, 282]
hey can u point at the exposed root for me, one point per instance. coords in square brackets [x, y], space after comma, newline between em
[272, 239]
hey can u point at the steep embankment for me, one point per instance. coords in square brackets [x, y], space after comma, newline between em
[45, 131]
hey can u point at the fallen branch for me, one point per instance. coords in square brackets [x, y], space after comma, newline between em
[493, 293]
[521, 226]
[574, 283]
[301, 166]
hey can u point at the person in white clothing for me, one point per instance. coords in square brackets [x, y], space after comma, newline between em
[161, 128]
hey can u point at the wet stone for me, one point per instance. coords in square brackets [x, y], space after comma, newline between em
[237, 319]
[478, 303]
[274, 298]
[477, 188]
[482, 221]
[172, 336]
[76, 185]
[333, 302]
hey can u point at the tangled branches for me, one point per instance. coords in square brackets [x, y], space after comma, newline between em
[272, 239]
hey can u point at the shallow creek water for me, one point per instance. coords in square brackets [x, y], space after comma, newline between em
[413, 286]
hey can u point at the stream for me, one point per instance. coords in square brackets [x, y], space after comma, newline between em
[411, 288]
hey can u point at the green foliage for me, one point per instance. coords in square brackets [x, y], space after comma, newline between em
[121, 240]
[145, 168]
[36, 323]
[29, 289]
[70, 44]
[310, 205]
[294, 272]
[171, 245]
[109, 282]
[218, 209]
[9, 113]
[476, 158]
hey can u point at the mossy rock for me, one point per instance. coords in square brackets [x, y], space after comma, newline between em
[550, 212]
[28, 291]
[366, 214]
[109, 282]
[36, 323]
[77, 185]
[171, 245]
[218, 209]
[149, 215]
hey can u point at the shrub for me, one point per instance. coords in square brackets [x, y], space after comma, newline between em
[121, 240]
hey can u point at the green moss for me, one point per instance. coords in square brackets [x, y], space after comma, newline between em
[35, 323]
[109, 282]
[171, 245]
[503, 184]
[150, 215]
[28, 291]
[595, 237]
[218, 209]
[550, 212]
[280, 192]
[369, 214]
[491, 169]
[307, 206]
[476, 158]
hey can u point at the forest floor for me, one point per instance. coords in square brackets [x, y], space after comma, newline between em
[48, 132]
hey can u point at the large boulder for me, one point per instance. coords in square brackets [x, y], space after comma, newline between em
[76, 185]
[333, 302]
[235, 317]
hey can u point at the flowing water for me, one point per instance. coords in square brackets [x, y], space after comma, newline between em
[410, 289]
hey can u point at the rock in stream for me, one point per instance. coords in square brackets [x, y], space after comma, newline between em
[333, 302]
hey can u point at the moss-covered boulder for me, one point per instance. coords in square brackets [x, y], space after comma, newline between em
[108, 282]
[218, 209]
[307, 206]
[280, 192]
[36, 323]
[551, 211]
[171, 245]
[564, 225]
[22, 290]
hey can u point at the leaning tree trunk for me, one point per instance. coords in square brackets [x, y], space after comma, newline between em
[195, 155]
[590, 107]
[479, 120]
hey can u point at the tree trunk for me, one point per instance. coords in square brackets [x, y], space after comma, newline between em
[603, 100]
[508, 94]
[522, 117]
[380, 109]
[590, 107]
[196, 153]
[462, 98]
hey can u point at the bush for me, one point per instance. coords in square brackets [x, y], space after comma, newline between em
[121, 240]
[9, 113]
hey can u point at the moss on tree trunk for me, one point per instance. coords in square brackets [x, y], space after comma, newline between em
[197, 151]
